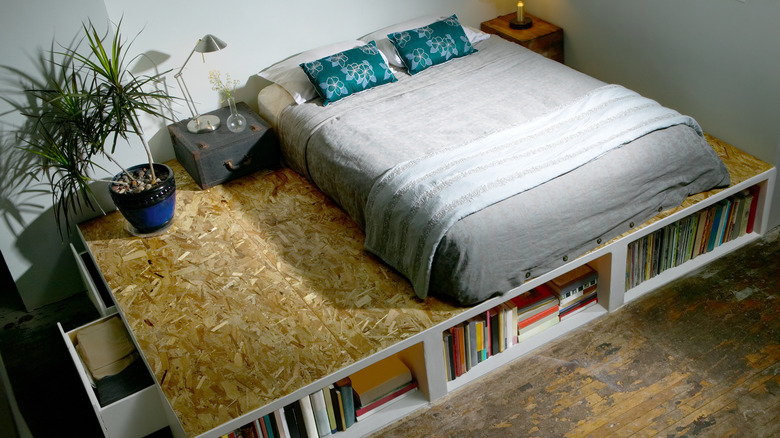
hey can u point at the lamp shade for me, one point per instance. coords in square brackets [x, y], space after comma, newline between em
[210, 43]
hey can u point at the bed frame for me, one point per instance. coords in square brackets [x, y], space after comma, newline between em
[261, 293]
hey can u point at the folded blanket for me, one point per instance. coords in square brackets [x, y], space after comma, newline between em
[411, 207]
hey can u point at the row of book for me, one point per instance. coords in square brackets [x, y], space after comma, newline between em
[696, 234]
[337, 407]
[478, 338]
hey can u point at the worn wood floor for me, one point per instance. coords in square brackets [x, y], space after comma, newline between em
[700, 357]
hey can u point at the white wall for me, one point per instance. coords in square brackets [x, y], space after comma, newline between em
[258, 33]
[716, 60]
[29, 242]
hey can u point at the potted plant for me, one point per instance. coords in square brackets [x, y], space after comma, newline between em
[90, 103]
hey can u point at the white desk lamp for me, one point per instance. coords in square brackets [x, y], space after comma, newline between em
[199, 123]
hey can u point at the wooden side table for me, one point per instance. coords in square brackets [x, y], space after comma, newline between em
[543, 37]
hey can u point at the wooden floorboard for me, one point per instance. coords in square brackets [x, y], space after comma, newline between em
[699, 357]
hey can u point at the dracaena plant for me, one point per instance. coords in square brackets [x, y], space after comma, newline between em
[89, 105]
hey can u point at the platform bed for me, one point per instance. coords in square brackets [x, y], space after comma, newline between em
[261, 293]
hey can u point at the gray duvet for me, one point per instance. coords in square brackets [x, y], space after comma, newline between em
[346, 146]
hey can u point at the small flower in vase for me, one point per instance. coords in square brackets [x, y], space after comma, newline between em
[227, 89]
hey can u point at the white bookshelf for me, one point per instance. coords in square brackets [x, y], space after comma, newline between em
[423, 352]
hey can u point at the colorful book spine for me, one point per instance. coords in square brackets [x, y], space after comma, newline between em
[294, 420]
[327, 395]
[270, 426]
[394, 396]
[281, 424]
[348, 402]
[320, 410]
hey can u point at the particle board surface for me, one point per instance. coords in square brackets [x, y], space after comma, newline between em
[261, 287]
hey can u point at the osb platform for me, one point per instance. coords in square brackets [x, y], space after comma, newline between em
[261, 287]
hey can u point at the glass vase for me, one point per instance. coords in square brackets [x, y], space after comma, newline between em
[235, 122]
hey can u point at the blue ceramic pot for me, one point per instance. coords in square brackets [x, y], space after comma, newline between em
[149, 210]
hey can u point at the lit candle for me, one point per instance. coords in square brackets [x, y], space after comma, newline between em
[520, 12]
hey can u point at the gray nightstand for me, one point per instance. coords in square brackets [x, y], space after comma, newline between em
[219, 156]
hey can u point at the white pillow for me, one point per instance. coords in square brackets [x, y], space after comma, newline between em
[474, 35]
[387, 48]
[289, 75]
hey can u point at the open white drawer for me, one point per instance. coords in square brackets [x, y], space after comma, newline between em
[97, 289]
[131, 409]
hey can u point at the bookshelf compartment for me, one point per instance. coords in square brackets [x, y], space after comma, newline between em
[526, 321]
[693, 236]
[128, 406]
[308, 410]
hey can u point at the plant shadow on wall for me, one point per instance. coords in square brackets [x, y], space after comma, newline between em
[20, 189]
[80, 107]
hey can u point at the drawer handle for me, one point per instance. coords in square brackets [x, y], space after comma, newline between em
[246, 161]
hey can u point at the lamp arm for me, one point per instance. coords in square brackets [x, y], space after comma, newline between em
[187, 96]
[183, 86]
[188, 60]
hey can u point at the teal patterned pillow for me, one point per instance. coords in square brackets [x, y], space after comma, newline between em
[433, 44]
[339, 75]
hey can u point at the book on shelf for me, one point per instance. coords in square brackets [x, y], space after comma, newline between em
[390, 398]
[462, 349]
[457, 346]
[538, 327]
[262, 426]
[294, 419]
[488, 339]
[510, 309]
[747, 202]
[717, 223]
[724, 220]
[495, 334]
[320, 409]
[449, 363]
[338, 407]
[466, 351]
[271, 426]
[754, 192]
[345, 391]
[741, 206]
[500, 328]
[309, 422]
[327, 395]
[248, 430]
[280, 420]
[731, 220]
[570, 285]
[554, 310]
[703, 220]
[538, 298]
[586, 301]
[378, 379]
[473, 343]
[481, 350]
